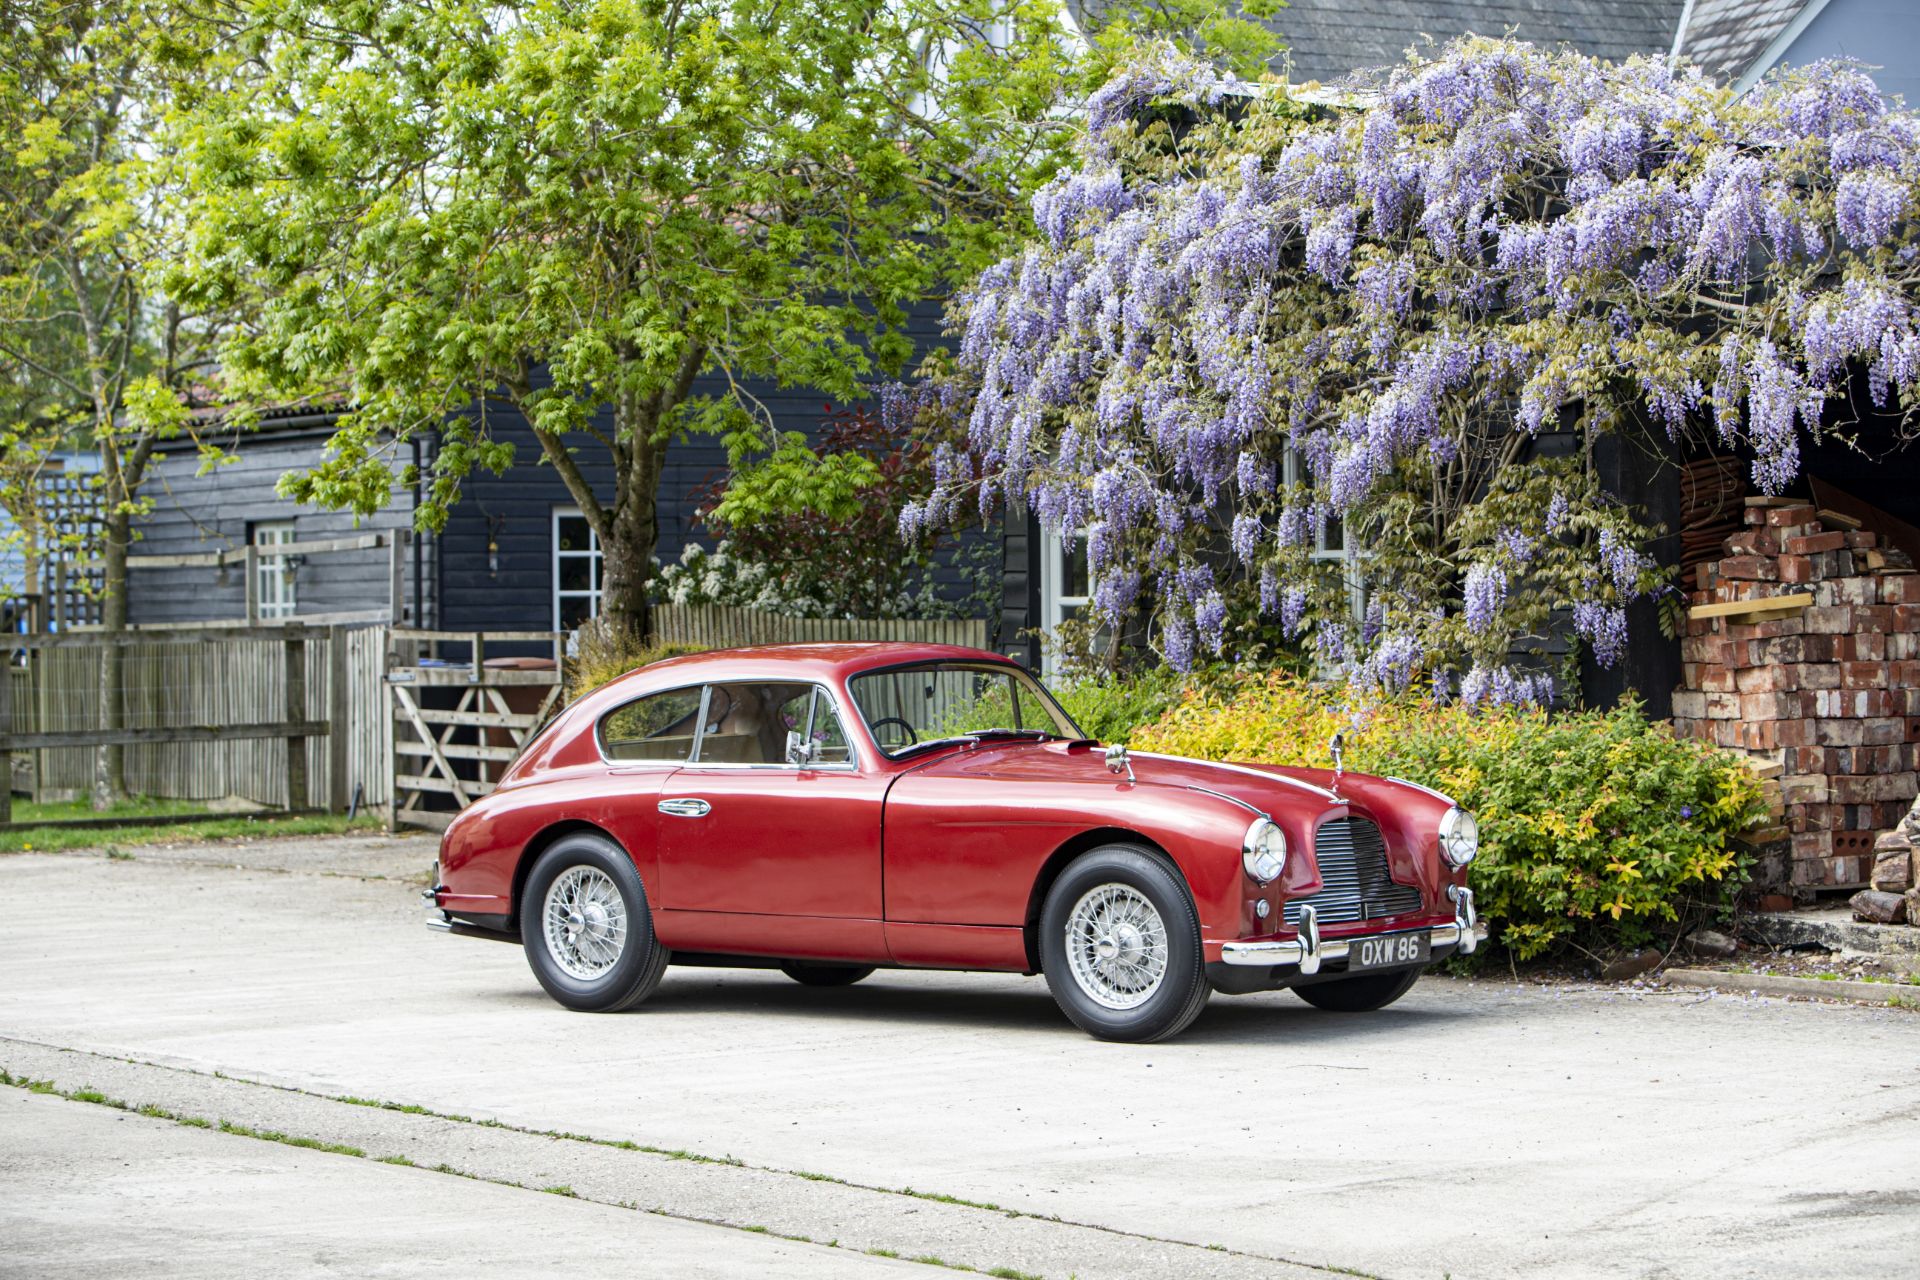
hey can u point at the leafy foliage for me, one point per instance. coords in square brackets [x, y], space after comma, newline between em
[1114, 708]
[603, 651]
[583, 209]
[1596, 828]
[1495, 243]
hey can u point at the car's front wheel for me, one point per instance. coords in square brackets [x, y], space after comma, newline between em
[586, 928]
[1361, 994]
[1120, 945]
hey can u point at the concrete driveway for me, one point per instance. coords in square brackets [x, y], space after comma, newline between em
[1474, 1129]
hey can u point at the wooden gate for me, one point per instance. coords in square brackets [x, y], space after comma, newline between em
[458, 722]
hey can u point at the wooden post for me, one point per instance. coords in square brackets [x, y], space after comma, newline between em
[397, 577]
[60, 594]
[339, 720]
[6, 732]
[252, 570]
[296, 651]
[389, 716]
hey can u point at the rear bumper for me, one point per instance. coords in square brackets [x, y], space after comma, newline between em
[1308, 951]
[467, 924]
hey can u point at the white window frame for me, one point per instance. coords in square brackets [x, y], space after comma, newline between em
[274, 592]
[593, 594]
[1054, 605]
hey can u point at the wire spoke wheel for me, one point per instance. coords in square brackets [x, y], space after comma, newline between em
[585, 922]
[1116, 946]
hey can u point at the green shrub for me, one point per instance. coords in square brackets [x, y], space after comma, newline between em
[1597, 829]
[603, 652]
[1111, 708]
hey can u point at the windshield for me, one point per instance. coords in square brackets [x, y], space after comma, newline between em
[908, 708]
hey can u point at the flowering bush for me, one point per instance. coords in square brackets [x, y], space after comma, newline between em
[784, 557]
[1597, 828]
[1401, 299]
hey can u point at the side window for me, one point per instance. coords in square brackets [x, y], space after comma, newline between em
[749, 724]
[659, 726]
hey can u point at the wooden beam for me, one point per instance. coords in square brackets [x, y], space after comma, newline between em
[6, 733]
[238, 555]
[1759, 609]
[163, 733]
[253, 585]
[467, 637]
[463, 676]
[479, 719]
[431, 742]
[296, 686]
[457, 751]
[195, 633]
[1841, 518]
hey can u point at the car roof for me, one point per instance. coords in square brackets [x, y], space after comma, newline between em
[819, 660]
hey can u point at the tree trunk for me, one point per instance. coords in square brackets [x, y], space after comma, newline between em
[627, 547]
[110, 762]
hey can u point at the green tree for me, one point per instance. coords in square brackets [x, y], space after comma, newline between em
[93, 348]
[578, 209]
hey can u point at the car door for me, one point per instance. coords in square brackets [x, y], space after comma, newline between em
[746, 831]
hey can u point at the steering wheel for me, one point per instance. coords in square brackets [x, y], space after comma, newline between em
[912, 737]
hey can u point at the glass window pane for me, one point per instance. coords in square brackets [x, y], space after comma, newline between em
[575, 610]
[658, 727]
[749, 723]
[576, 573]
[1073, 567]
[922, 703]
[573, 533]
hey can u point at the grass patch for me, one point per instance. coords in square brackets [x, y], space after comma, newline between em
[1010, 1273]
[216, 827]
[291, 1140]
[561, 1189]
[399, 1160]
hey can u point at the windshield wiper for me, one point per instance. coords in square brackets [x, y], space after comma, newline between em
[976, 735]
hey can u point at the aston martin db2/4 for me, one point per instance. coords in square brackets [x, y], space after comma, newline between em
[831, 809]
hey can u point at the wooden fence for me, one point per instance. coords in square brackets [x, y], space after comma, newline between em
[207, 714]
[715, 627]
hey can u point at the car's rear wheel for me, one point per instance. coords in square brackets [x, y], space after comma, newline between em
[586, 928]
[809, 974]
[1120, 945]
[1361, 994]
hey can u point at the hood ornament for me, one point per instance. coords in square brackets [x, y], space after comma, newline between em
[1118, 761]
[1338, 746]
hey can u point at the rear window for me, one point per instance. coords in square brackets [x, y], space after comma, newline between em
[660, 726]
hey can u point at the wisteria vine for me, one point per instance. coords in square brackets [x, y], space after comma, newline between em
[1229, 336]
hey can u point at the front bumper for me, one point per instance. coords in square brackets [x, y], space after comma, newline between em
[1309, 951]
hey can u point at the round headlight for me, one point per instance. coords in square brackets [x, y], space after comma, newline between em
[1459, 837]
[1264, 851]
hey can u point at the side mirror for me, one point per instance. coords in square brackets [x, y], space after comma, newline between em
[801, 750]
[1118, 761]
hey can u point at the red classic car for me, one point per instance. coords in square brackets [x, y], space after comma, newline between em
[836, 808]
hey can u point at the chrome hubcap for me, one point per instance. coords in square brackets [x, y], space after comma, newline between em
[586, 922]
[1116, 946]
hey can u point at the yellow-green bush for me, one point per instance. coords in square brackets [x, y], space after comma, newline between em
[1596, 828]
[604, 652]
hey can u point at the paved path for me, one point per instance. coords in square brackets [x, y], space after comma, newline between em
[1476, 1128]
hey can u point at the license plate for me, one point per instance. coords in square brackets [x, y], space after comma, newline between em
[1388, 950]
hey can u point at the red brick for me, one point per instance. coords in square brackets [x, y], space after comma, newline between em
[1814, 543]
[1883, 731]
[1899, 588]
[1862, 540]
[1808, 760]
[1753, 542]
[1771, 706]
[1775, 678]
[1818, 675]
[1748, 568]
[1787, 517]
[1902, 644]
[1829, 619]
[1770, 629]
[1869, 703]
[1794, 569]
[1805, 788]
[1903, 618]
[1863, 675]
[1838, 733]
[1810, 847]
[1797, 733]
[1904, 674]
[1861, 646]
[1760, 735]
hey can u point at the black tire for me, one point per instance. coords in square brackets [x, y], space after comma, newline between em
[1182, 990]
[641, 961]
[810, 974]
[1363, 994]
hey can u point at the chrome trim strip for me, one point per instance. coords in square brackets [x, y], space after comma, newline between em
[1443, 799]
[1322, 792]
[1221, 795]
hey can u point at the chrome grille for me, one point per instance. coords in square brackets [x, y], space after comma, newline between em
[1352, 857]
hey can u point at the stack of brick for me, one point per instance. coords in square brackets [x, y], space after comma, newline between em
[1893, 894]
[1803, 650]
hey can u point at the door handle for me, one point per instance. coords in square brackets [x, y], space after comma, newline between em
[686, 807]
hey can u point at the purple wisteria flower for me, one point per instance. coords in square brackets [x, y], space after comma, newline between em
[1604, 628]
[1486, 595]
